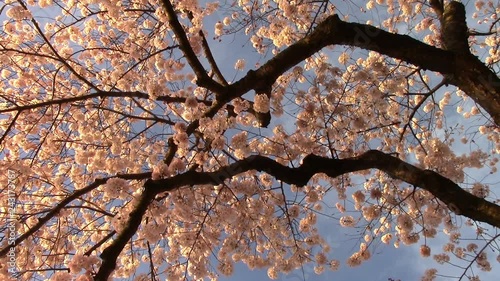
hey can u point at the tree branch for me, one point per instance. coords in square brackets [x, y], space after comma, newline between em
[465, 71]
[457, 199]
[66, 201]
[209, 56]
[203, 80]
[99, 94]
[111, 253]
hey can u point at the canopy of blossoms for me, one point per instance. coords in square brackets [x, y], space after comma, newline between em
[131, 148]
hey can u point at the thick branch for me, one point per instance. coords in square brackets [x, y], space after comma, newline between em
[457, 199]
[111, 253]
[464, 71]
[454, 31]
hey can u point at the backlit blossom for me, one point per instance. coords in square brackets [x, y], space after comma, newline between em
[430, 275]
[405, 223]
[18, 13]
[219, 28]
[354, 260]
[343, 58]
[334, 265]
[442, 258]
[347, 221]
[191, 102]
[272, 273]
[340, 207]
[261, 103]
[386, 238]
[425, 251]
[240, 64]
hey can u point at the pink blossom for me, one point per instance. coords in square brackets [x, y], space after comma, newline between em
[261, 103]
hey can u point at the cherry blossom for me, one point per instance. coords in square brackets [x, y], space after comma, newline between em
[183, 138]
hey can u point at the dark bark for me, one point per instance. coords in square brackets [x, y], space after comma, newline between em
[454, 31]
[461, 69]
[111, 253]
[457, 199]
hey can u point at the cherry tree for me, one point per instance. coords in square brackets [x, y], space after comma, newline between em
[131, 150]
